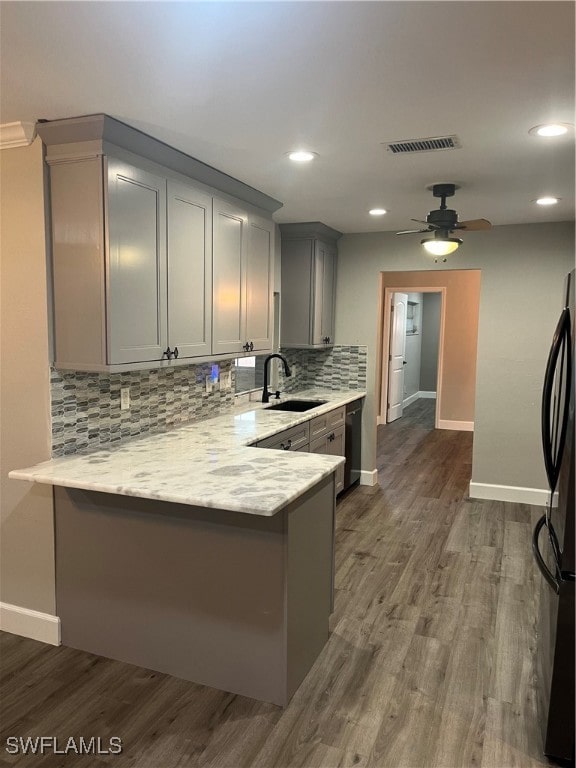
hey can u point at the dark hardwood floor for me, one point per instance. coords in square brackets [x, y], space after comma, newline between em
[430, 662]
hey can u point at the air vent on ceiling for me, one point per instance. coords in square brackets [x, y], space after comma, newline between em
[431, 144]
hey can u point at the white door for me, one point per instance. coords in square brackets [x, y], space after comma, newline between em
[396, 356]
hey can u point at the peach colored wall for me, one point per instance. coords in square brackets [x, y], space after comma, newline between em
[458, 393]
[27, 525]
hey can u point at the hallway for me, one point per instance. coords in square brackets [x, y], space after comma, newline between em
[430, 660]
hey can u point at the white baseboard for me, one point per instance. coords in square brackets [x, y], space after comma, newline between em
[28, 623]
[416, 396]
[537, 496]
[368, 477]
[461, 426]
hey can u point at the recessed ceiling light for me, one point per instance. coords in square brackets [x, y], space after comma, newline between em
[547, 200]
[550, 129]
[301, 156]
[377, 211]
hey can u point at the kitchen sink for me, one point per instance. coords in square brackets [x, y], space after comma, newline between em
[296, 405]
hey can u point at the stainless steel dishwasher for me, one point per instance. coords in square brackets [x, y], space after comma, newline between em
[353, 443]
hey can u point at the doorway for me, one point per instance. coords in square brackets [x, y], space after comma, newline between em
[457, 297]
[414, 367]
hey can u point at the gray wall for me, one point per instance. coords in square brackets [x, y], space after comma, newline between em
[523, 269]
[431, 304]
[27, 538]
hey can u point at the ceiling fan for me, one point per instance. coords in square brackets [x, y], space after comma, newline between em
[442, 222]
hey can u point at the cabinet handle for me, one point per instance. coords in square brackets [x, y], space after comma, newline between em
[168, 353]
[286, 446]
[176, 353]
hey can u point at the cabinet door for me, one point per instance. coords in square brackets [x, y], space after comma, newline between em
[332, 444]
[323, 296]
[189, 270]
[136, 264]
[328, 292]
[259, 283]
[319, 445]
[336, 447]
[296, 292]
[228, 254]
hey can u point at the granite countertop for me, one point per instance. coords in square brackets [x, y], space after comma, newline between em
[206, 463]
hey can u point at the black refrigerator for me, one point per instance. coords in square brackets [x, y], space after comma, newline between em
[553, 542]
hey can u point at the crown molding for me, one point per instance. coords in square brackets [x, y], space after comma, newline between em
[101, 134]
[20, 134]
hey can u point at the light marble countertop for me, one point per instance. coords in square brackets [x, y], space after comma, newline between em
[206, 463]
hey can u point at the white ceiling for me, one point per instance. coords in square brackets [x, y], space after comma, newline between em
[237, 85]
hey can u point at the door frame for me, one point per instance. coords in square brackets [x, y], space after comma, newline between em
[384, 346]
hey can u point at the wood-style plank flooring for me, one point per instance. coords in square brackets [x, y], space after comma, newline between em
[430, 662]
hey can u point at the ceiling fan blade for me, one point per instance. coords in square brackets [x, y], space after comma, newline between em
[412, 231]
[474, 224]
[431, 226]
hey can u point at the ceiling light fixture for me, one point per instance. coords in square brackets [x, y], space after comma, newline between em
[550, 129]
[547, 200]
[377, 211]
[301, 156]
[441, 244]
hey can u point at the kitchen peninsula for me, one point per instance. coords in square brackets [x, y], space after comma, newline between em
[192, 553]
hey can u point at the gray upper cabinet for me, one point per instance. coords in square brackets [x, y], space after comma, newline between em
[243, 280]
[148, 266]
[308, 285]
[189, 271]
[136, 285]
[132, 266]
[259, 285]
[230, 225]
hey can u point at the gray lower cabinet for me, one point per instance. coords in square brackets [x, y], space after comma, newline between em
[293, 439]
[327, 436]
[323, 434]
[309, 256]
[243, 280]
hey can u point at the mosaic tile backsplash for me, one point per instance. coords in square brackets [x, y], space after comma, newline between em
[86, 411]
[337, 367]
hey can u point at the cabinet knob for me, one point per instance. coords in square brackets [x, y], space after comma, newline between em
[251, 346]
[176, 353]
[286, 446]
[168, 353]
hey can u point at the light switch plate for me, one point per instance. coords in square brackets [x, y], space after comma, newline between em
[124, 398]
[226, 381]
